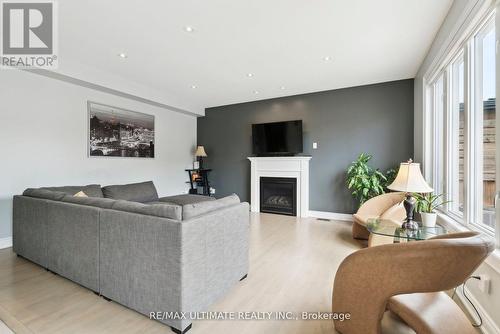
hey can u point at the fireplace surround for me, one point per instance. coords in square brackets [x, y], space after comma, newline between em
[296, 167]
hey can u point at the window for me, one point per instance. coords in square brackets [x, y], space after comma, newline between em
[485, 147]
[438, 104]
[462, 104]
[455, 140]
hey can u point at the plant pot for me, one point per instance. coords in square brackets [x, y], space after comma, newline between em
[428, 219]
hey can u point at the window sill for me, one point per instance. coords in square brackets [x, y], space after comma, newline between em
[453, 226]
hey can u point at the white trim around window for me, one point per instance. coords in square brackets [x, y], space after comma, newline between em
[454, 119]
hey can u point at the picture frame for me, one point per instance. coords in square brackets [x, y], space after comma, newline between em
[118, 132]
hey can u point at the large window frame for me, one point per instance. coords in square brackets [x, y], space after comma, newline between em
[443, 130]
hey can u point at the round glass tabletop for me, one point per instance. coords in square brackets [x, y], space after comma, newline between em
[391, 228]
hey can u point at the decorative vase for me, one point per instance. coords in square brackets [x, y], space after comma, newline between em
[428, 219]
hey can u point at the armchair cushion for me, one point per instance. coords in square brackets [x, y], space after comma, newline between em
[431, 313]
[396, 212]
[384, 206]
[376, 206]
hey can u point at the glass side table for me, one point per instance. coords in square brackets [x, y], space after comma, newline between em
[390, 228]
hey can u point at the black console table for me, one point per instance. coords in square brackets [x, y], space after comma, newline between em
[201, 181]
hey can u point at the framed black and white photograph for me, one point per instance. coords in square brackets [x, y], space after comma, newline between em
[116, 132]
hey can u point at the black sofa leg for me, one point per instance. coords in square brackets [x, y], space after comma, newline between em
[178, 331]
[241, 279]
[50, 271]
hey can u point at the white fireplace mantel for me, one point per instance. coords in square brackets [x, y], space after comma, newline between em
[293, 167]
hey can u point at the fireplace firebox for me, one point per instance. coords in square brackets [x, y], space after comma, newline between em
[278, 195]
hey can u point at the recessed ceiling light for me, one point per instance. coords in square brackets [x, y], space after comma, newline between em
[250, 75]
[282, 87]
[327, 58]
[193, 86]
[256, 92]
[188, 29]
[122, 55]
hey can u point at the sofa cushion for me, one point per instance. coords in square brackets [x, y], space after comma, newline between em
[197, 209]
[91, 190]
[135, 192]
[44, 193]
[186, 199]
[105, 203]
[165, 210]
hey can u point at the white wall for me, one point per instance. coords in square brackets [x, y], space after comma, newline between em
[43, 139]
[461, 12]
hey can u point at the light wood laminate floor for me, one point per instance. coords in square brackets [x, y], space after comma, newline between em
[292, 265]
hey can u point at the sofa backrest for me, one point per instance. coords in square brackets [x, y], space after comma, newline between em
[141, 198]
[104, 203]
[165, 210]
[197, 209]
[91, 190]
[135, 192]
[44, 193]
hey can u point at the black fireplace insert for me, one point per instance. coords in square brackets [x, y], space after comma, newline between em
[278, 195]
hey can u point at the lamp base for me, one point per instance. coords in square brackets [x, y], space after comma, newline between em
[200, 162]
[410, 225]
[409, 204]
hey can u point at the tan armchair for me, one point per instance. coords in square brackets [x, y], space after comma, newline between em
[386, 206]
[406, 279]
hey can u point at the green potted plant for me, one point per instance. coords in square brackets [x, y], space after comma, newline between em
[426, 205]
[364, 181]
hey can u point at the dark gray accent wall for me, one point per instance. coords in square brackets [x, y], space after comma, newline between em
[376, 119]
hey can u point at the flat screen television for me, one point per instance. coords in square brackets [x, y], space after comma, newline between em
[279, 138]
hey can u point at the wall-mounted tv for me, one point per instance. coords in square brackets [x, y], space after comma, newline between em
[279, 138]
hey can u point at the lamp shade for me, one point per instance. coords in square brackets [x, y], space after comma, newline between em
[200, 152]
[410, 179]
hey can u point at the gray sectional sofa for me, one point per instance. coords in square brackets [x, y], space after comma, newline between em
[151, 254]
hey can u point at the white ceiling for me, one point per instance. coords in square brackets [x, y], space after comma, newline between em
[282, 42]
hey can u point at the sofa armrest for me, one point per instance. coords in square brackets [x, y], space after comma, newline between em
[215, 254]
[153, 264]
[29, 229]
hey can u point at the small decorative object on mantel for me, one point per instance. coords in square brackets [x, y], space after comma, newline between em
[200, 154]
[410, 180]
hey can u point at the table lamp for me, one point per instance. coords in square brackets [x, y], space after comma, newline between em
[410, 180]
[200, 154]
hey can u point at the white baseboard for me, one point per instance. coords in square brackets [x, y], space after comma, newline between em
[5, 242]
[489, 326]
[330, 215]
